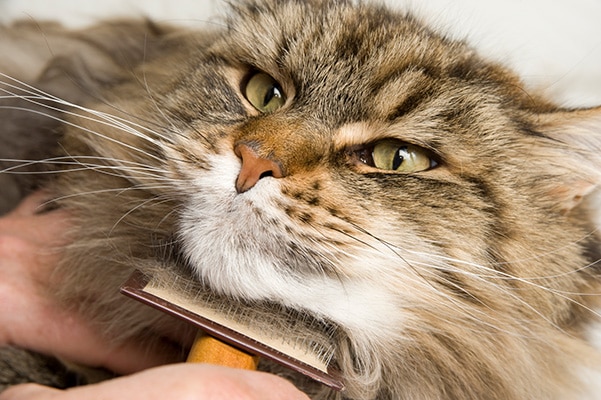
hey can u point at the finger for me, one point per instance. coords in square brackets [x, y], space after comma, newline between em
[272, 387]
[134, 356]
[31, 204]
[47, 229]
[50, 229]
[187, 381]
[199, 381]
[29, 391]
[58, 332]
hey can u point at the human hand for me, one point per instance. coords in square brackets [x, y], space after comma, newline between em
[177, 381]
[31, 319]
[29, 240]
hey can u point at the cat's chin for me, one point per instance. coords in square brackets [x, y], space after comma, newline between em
[354, 305]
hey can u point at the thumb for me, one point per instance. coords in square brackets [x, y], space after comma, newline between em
[30, 391]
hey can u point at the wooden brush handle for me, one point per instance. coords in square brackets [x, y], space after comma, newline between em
[207, 349]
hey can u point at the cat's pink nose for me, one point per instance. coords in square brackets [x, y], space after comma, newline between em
[254, 168]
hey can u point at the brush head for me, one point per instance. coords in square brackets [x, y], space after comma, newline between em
[237, 329]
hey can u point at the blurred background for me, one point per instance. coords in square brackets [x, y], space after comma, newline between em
[554, 45]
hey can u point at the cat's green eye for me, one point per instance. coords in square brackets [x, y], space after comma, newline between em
[393, 155]
[264, 92]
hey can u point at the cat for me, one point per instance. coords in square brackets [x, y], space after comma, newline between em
[338, 160]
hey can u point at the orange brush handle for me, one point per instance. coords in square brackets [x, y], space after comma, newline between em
[207, 349]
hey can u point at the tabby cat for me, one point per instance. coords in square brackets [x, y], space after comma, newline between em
[333, 160]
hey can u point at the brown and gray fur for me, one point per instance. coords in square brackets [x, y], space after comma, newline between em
[476, 279]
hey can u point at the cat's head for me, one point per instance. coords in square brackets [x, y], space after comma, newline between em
[346, 161]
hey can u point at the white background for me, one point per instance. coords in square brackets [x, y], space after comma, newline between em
[553, 44]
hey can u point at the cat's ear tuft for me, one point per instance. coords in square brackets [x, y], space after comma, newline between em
[573, 153]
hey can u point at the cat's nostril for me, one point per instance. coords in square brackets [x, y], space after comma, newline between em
[254, 168]
[266, 174]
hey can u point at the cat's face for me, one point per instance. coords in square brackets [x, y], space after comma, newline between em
[400, 163]
[345, 161]
[347, 228]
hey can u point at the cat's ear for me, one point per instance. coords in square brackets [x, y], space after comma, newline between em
[572, 152]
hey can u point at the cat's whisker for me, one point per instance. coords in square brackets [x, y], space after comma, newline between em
[125, 171]
[429, 221]
[478, 316]
[126, 125]
[104, 137]
[155, 104]
[485, 279]
[75, 165]
[426, 283]
[116, 164]
[117, 191]
[469, 310]
[25, 87]
[143, 203]
[556, 251]
[175, 209]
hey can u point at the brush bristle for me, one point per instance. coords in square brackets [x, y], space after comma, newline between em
[292, 338]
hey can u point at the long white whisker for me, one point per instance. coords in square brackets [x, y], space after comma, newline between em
[505, 276]
[486, 279]
[155, 104]
[75, 160]
[472, 312]
[124, 124]
[108, 138]
[142, 204]
[112, 190]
